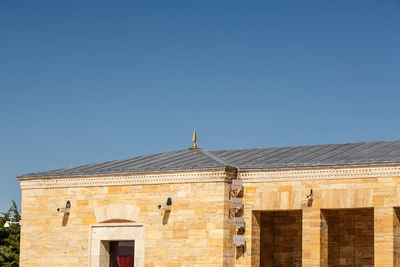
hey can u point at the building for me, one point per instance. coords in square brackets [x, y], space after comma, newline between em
[322, 205]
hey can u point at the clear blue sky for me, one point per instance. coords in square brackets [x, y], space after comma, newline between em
[90, 81]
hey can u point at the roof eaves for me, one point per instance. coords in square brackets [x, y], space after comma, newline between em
[154, 171]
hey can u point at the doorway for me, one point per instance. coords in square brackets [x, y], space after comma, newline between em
[347, 237]
[117, 245]
[280, 238]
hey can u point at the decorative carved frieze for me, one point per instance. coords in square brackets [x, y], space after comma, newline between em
[320, 174]
[137, 179]
[215, 176]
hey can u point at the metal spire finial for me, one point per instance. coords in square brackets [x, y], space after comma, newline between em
[194, 139]
[194, 146]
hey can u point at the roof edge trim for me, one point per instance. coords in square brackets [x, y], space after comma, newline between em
[103, 174]
[207, 176]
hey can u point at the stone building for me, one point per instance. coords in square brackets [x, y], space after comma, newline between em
[322, 205]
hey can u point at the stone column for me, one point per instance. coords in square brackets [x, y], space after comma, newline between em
[255, 238]
[311, 254]
[324, 238]
[383, 236]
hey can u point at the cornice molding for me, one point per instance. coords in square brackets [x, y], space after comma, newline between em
[319, 174]
[136, 179]
[215, 176]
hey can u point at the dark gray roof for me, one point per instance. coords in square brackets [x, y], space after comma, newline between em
[365, 153]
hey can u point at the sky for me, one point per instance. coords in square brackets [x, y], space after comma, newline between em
[91, 81]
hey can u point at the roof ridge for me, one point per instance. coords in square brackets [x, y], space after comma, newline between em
[213, 157]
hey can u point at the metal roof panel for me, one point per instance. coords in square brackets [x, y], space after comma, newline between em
[380, 152]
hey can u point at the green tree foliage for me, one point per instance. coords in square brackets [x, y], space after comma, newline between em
[9, 239]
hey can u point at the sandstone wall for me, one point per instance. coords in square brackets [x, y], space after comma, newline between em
[193, 235]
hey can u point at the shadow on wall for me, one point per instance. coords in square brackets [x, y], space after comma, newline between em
[65, 219]
[166, 217]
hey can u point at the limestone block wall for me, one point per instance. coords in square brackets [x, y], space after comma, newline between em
[195, 233]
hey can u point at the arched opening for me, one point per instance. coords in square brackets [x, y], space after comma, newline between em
[117, 213]
[116, 221]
